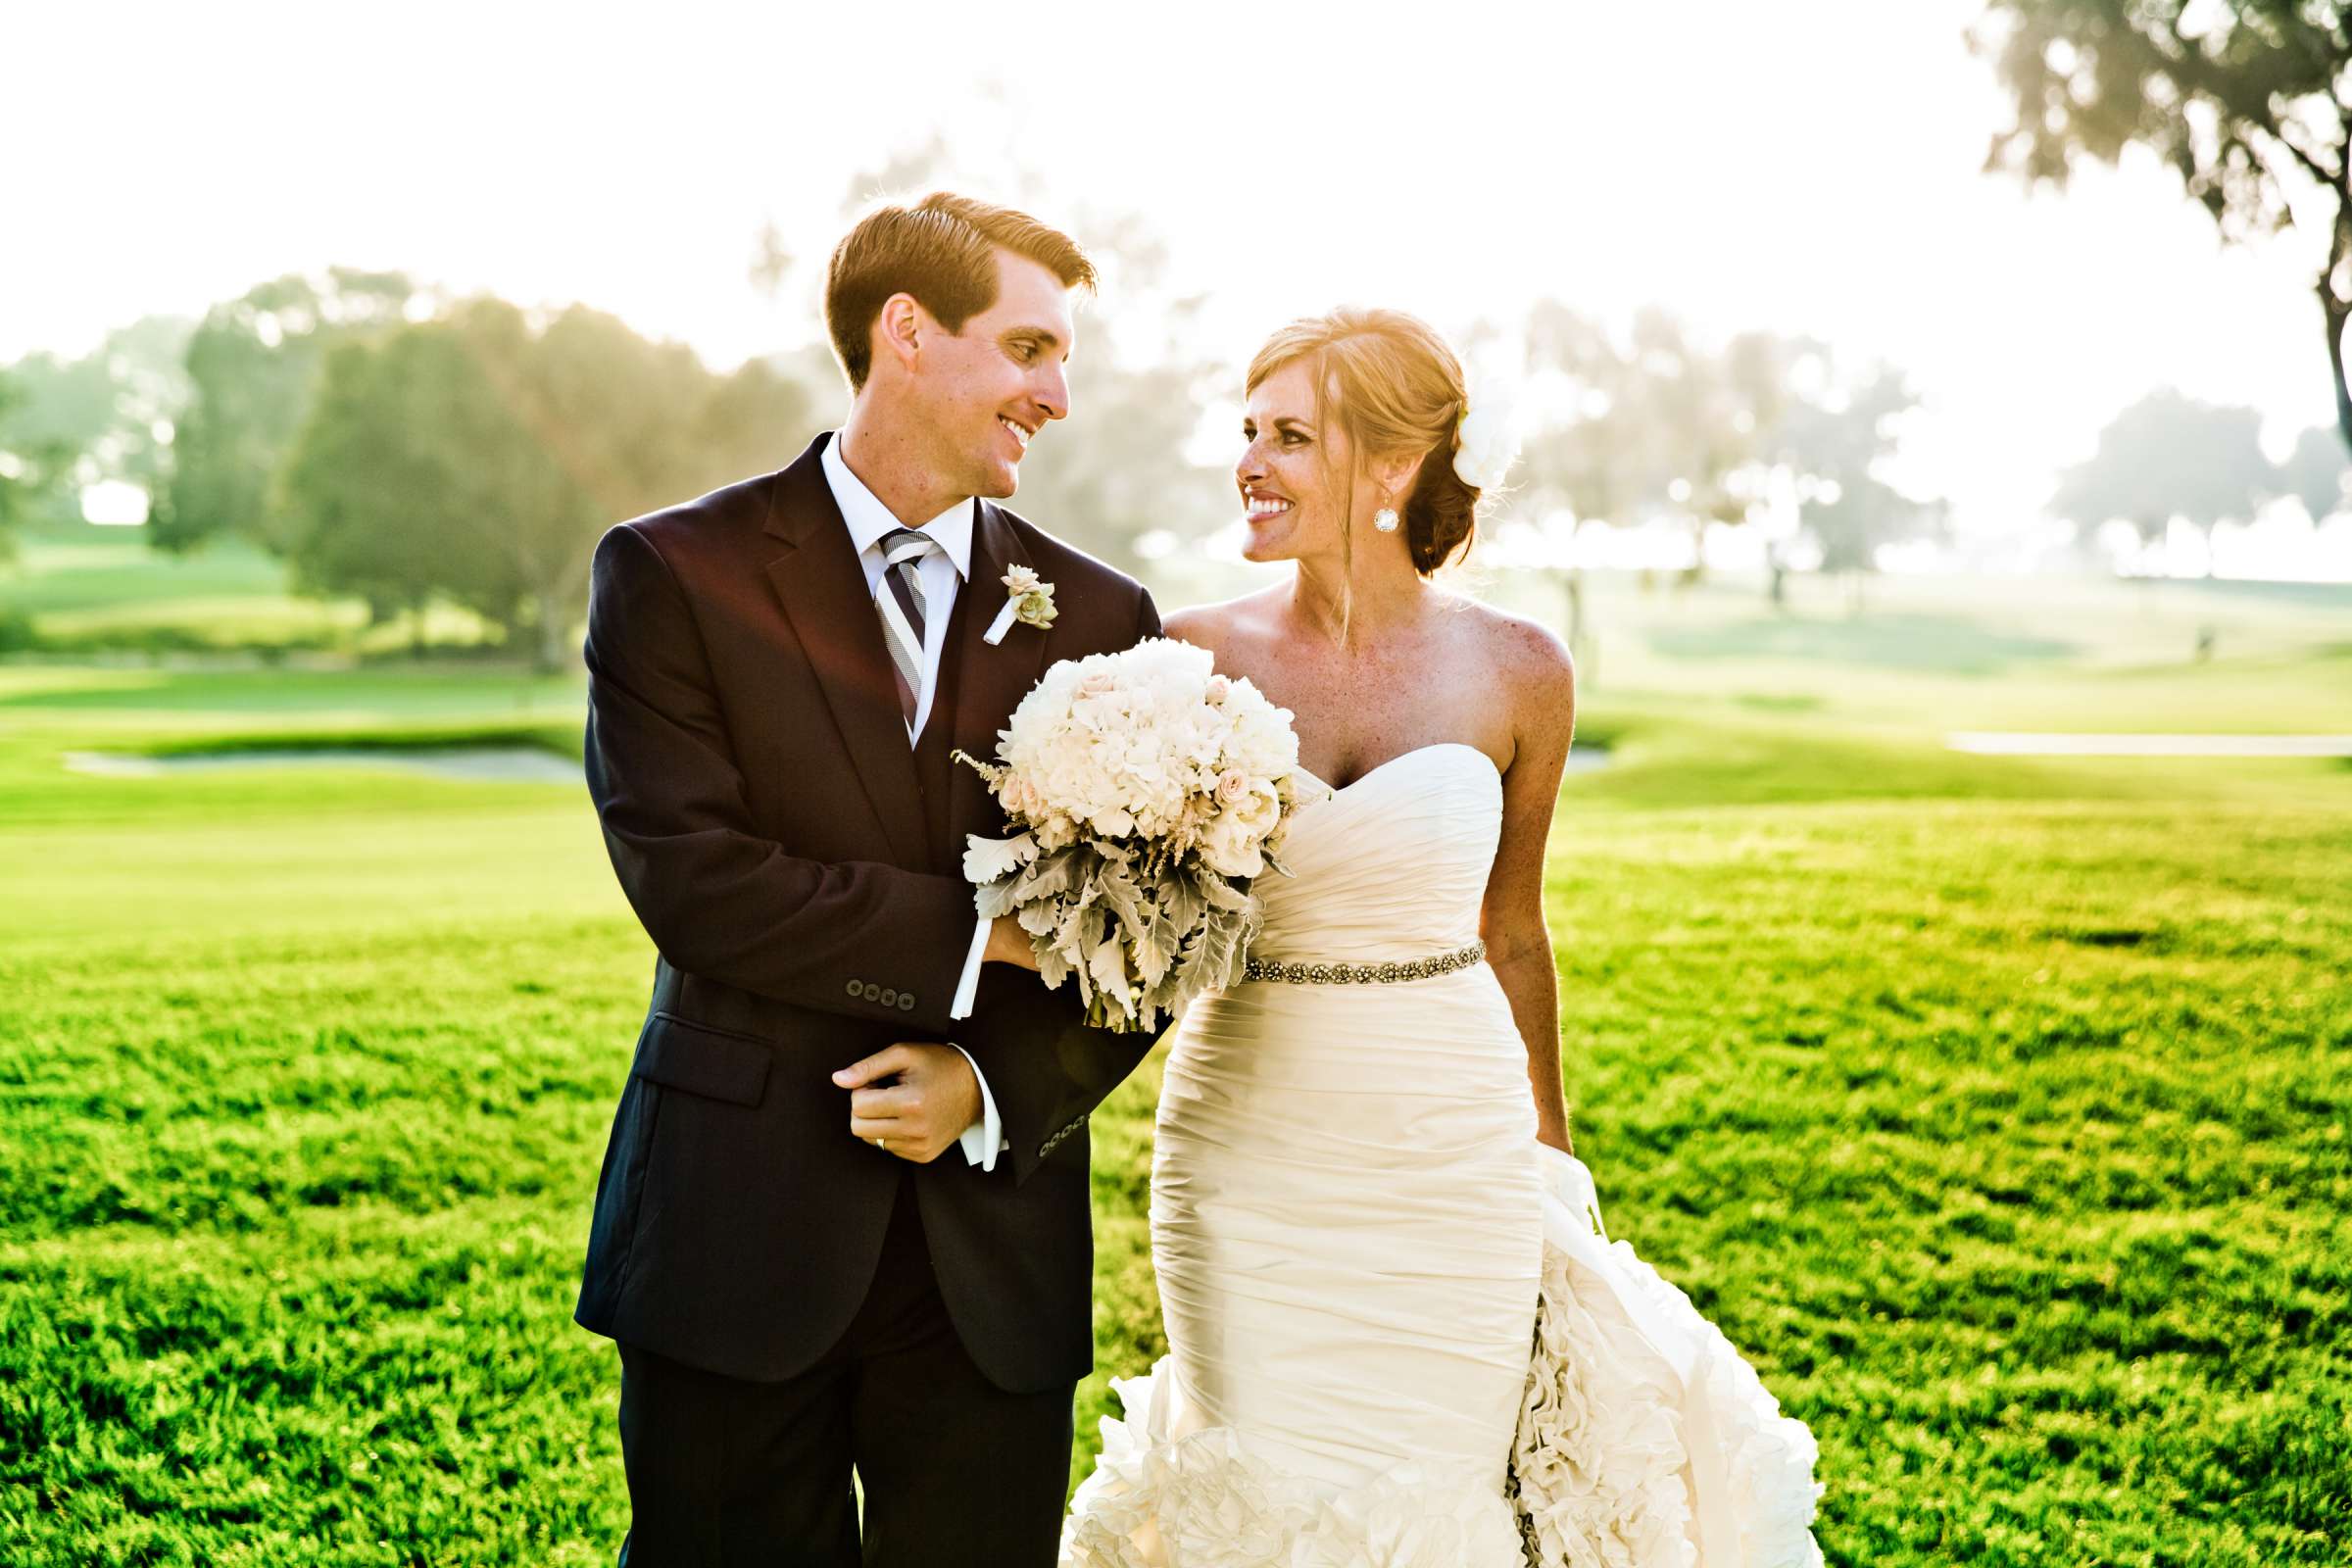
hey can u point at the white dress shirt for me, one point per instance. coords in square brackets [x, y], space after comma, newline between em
[941, 571]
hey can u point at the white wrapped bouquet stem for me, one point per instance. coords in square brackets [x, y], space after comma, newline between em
[1144, 791]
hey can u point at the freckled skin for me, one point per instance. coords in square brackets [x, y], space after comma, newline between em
[1418, 665]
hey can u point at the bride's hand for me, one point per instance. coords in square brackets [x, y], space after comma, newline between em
[1008, 943]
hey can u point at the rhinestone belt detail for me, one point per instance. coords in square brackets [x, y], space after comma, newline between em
[1361, 974]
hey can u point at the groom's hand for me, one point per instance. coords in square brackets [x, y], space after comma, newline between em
[917, 1097]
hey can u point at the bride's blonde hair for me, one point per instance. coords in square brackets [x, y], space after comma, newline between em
[1396, 389]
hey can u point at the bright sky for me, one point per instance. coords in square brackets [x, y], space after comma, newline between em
[1805, 168]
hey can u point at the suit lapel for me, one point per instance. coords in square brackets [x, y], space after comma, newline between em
[822, 588]
[990, 681]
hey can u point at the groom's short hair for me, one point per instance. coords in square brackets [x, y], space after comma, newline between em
[941, 251]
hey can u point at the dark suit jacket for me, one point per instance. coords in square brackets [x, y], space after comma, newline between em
[797, 867]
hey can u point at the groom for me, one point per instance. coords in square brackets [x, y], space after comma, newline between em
[843, 1218]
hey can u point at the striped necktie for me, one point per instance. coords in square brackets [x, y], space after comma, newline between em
[899, 600]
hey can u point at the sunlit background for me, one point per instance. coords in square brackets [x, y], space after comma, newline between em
[1812, 171]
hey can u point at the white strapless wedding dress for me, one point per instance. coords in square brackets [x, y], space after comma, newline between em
[1398, 1339]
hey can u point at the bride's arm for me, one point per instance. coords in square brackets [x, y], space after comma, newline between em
[1542, 681]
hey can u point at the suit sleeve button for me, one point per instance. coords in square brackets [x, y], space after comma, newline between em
[890, 996]
[855, 988]
[873, 992]
[906, 1001]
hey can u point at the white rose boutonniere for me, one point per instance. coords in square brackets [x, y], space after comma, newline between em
[1028, 599]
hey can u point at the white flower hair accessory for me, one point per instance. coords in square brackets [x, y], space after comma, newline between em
[1487, 442]
[1028, 599]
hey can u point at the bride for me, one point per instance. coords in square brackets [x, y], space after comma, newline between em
[1396, 1336]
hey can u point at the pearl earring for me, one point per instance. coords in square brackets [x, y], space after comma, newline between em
[1385, 520]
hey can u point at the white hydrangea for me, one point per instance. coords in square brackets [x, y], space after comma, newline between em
[1161, 768]
[1135, 743]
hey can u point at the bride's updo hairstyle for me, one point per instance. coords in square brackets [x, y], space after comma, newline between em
[1396, 389]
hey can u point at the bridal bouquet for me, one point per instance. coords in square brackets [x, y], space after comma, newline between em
[1146, 790]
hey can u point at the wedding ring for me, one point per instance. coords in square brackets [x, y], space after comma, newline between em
[883, 1143]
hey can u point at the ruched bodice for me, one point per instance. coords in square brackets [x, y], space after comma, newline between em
[1393, 866]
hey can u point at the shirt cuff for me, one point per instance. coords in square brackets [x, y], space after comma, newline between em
[984, 1139]
[962, 1006]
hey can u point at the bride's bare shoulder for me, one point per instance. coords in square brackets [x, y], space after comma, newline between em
[1218, 627]
[1527, 657]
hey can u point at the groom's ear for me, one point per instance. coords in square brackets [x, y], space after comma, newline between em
[899, 329]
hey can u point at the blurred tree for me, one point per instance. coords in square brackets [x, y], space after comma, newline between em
[2314, 473]
[2167, 456]
[30, 466]
[1704, 417]
[147, 361]
[1833, 443]
[58, 409]
[754, 420]
[111, 412]
[478, 457]
[251, 367]
[1664, 427]
[1589, 460]
[2246, 99]
[1851, 520]
[400, 477]
[1659, 427]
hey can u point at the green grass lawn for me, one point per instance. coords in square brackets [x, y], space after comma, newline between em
[94, 569]
[94, 588]
[2001, 1109]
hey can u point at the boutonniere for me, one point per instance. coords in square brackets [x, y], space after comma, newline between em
[1027, 600]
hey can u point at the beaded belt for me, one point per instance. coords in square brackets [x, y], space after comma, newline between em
[1361, 974]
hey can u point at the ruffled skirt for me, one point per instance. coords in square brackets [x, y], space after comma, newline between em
[1642, 1439]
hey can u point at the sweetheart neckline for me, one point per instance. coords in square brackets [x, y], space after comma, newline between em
[1379, 767]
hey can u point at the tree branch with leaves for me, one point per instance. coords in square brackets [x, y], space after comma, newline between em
[2247, 100]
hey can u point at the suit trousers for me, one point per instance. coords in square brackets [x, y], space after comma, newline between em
[955, 1470]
